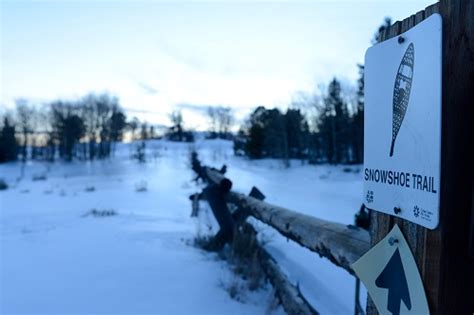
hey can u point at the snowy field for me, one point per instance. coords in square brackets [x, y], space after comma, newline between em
[58, 257]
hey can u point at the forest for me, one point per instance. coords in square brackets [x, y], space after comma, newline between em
[333, 134]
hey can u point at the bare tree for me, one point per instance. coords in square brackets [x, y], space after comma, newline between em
[68, 127]
[24, 113]
[144, 135]
[221, 120]
[177, 129]
[104, 107]
[105, 122]
[118, 122]
[212, 115]
[225, 118]
[89, 116]
[133, 126]
[45, 128]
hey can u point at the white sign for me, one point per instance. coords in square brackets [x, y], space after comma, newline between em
[402, 135]
[389, 273]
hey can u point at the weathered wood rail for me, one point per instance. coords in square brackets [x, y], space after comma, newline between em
[341, 244]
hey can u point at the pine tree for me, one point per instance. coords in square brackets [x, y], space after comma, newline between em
[297, 133]
[255, 134]
[358, 120]
[8, 142]
[333, 126]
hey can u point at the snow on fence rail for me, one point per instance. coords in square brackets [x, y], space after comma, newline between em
[341, 244]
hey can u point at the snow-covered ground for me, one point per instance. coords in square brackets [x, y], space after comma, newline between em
[58, 258]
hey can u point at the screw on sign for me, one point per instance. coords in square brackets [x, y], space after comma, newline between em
[401, 91]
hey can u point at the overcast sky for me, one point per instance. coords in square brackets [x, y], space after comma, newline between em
[157, 55]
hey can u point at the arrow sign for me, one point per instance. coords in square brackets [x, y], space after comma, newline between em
[389, 272]
[394, 279]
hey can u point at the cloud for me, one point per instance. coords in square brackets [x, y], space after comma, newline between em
[147, 88]
[197, 108]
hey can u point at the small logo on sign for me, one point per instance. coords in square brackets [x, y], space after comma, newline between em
[416, 211]
[370, 196]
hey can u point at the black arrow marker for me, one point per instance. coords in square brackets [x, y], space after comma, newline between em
[394, 279]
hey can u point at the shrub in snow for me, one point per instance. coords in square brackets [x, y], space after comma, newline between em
[236, 289]
[242, 255]
[203, 241]
[354, 170]
[245, 257]
[3, 184]
[140, 152]
[101, 213]
[141, 186]
[38, 177]
[90, 188]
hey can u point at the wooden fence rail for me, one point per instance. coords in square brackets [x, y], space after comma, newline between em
[341, 244]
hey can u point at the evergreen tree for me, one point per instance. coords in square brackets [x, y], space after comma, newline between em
[68, 127]
[255, 134]
[8, 142]
[297, 131]
[275, 135]
[333, 126]
[358, 120]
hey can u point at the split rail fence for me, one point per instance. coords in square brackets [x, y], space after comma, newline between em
[341, 244]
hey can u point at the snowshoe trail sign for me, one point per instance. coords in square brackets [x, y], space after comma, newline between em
[402, 137]
[391, 277]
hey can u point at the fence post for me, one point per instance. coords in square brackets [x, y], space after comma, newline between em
[357, 308]
[442, 255]
[215, 196]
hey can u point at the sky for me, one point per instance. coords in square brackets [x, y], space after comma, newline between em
[159, 56]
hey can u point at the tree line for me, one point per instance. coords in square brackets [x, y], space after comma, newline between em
[325, 127]
[319, 129]
[84, 129]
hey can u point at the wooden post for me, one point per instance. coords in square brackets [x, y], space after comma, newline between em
[471, 241]
[442, 255]
[215, 196]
